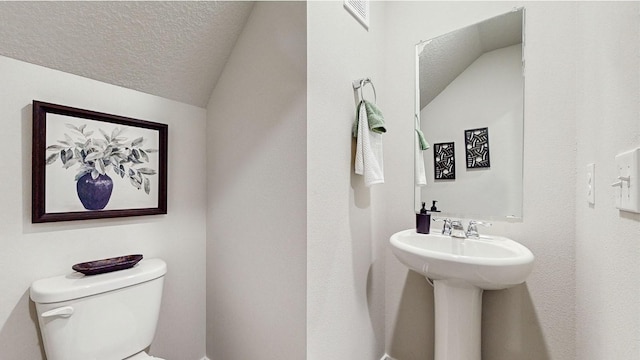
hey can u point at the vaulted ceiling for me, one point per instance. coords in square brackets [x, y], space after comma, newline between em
[444, 58]
[173, 49]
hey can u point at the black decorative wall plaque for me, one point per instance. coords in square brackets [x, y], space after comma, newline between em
[477, 147]
[444, 164]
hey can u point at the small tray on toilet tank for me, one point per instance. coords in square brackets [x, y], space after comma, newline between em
[107, 265]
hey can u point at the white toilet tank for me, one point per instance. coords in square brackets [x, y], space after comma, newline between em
[100, 317]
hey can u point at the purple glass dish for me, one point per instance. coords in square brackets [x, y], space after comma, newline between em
[107, 265]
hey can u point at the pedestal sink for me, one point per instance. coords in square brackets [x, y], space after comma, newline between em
[461, 269]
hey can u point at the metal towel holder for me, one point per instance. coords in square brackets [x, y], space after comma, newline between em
[359, 85]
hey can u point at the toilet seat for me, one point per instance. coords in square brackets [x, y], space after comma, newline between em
[143, 356]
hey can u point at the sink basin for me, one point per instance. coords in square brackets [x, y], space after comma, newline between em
[488, 262]
[461, 269]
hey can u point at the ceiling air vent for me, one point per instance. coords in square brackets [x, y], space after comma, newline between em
[360, 10]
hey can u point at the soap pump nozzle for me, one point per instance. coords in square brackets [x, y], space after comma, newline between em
[424, 209]
[433, 206]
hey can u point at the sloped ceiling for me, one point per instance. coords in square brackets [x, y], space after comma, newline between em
[444, 58]
[173, 49]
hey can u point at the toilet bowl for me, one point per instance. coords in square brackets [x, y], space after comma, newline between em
[100, 317]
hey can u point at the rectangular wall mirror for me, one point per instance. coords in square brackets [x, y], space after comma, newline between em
[470, 92]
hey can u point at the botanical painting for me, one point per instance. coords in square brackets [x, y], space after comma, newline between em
[92, 165]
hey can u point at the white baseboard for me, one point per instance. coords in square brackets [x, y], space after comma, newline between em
[386, 357]
[205, 358]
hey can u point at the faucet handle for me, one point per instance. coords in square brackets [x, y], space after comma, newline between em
[472, 229]
[446, 227]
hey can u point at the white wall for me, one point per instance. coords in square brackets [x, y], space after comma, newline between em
[535, 320]
[607, 240]
[257, 174]
[33, 251]
[345, 281]
[297, 263]
[487, 94]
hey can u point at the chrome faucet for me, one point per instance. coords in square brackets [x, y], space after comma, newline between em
[472, 229]
[455, 229]
[452, 228]
[446, 227]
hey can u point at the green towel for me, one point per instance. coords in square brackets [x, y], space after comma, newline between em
[376, 120]
[374, 117]
[424, 145]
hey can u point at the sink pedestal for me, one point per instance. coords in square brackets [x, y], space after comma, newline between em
[458, 312]
[462, 269]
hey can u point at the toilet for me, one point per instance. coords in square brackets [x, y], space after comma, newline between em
[110, 316]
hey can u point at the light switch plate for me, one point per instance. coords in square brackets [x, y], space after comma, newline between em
[591, 176]
[626, 185]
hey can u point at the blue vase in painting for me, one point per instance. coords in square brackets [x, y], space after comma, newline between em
[94, 193]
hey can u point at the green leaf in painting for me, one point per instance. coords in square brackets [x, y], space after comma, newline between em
[115, 132]
[147, 186]
[99, 142]
[81, 173]
[93, 156]
[147, 171]
[70, 163]
[137, 142]
[100, 166]
[107, 152]
[144, 155]
[134, 160]
[135, 183]
[54, 147]
[106, 136]
[52, 158]
[63, 156]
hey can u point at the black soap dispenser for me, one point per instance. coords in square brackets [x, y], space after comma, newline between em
[423, 221]
[433, 206]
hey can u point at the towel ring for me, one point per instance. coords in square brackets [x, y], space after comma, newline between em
[359, 85]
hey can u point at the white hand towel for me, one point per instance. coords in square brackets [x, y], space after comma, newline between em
[421, 176]
[369, 155]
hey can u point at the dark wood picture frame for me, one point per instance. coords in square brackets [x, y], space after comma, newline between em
[127, 160]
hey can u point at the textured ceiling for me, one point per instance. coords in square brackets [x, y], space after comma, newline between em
[443, 58]
[175, 50]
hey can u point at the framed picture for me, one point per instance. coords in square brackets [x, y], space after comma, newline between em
[444, 161]
[91, 165]
[477, 148]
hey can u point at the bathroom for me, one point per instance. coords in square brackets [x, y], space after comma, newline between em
[287, 255]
